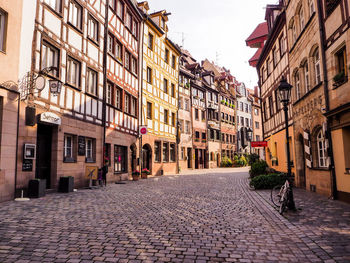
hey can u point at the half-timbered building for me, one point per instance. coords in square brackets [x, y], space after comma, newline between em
[160, 73]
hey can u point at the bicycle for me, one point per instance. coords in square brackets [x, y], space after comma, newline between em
[281, 195]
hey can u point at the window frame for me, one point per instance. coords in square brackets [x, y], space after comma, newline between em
[90, 158]
[150, 41]
[53, 73]
[94, 21]
[321, 150]
[72, 157]
[122, 162]
[149, 75]
[78, 24]
[149, 110]
[57, 8]
[157, 151]
[3, 29]
[88, 72]
[77, 85]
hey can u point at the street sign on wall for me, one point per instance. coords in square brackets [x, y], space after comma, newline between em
[259, 144]
[143, 130]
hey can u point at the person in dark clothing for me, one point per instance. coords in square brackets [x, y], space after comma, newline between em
[104, 173]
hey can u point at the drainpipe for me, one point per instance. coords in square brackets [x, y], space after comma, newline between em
[178, 136]
[104, 81]
[326, 94]
[141, 89]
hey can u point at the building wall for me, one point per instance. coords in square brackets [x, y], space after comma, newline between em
[243, 98]
[228, 128]
[257, 132]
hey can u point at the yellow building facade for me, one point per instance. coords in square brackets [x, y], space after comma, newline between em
[159, 95]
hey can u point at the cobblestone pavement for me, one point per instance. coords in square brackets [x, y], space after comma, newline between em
[210, 216]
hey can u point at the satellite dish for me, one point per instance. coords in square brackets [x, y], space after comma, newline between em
[40, 83]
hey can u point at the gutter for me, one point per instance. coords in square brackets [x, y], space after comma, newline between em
[326, 94]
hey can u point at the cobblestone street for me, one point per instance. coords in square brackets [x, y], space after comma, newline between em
[209, 216]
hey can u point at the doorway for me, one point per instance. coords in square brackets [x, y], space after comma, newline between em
[196, 160]
[43, 153]
[146, 157]
[189, 158]
[133, 150]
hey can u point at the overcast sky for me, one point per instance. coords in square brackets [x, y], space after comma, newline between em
[216, 27]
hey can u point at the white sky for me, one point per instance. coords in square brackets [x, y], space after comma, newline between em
[219, 26]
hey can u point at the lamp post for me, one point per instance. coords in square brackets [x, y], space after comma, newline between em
[284, 94]
[250, 138]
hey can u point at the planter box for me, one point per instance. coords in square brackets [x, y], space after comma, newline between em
[66, 184]
[144, 176]
[135, 177]
[36, 188]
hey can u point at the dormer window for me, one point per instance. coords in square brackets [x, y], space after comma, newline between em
[162, 23]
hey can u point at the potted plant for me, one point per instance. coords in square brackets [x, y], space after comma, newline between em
[36, 188]
[66, 184]
[222, 101]
[339, 78]
[135, 175]
[144, 173]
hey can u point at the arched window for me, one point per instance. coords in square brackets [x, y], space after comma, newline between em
[294, 32]
[297, 85]
[301, 19]
[311, 7]
[321, 149]
[316, 60]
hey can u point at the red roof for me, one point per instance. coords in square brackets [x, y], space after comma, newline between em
[260, 31]
[254, 60]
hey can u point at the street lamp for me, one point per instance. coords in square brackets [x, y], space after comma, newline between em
[250, 138]
[284, 95]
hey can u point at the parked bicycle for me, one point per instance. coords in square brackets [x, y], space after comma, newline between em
[281, 196]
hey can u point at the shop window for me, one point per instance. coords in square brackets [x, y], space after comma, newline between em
[157, 151]
[90, 150]
[69, 149]
[165, 152]
[75, 15]
[120, 159]
[107, 153]
[172, 152]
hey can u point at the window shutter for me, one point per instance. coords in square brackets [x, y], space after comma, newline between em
[307, 148]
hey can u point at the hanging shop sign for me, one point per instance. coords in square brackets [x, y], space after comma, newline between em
[259, 144]
[50, 117]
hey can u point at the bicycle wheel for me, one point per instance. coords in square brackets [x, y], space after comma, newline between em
[275, 195]
[283, 205]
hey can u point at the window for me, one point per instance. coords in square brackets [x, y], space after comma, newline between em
[166, 116]
[268, 68]
[331, 6]
[128, 21]
[149, 110]
[181, 103]
[173, 90]
[172, 152]
[75, 15]
[282, 45]
[133, 106]
[165, 86]
[316, 58]
[196, 114]
[55, 5]
[68, 148]
[242, 121]
[306, 77]
[321, 150]
[73, 72]
[257, 138]
[166, 57]
[297, 85]
[108, 153]
[118, 98]
[256, 112]
[134, 28]
[127, 101]
[197, 135]
[312, 7]
[110, 43]
[182, 153]
[246, 107]
[294, 33]
[187, 127]
[3, 25]
[133, 65]
[93, 28]
[187, 104]
[91, 82]
[203, 115]
[204, 136]
[241, 106]
[173, 61]
[109, 93]
[246, 122]
[340, 58]
[165, 152]
[257, 125]
[120, 159]
[157, 151]
[112, 4]
[271, 106]
[301, 19]
[173, 119]
[50, 57]
[118, 50]
[89, 150]
[150, 41]
[149, 75]
[275, 56]
[120, 9]
[127, 60]
[181, 126]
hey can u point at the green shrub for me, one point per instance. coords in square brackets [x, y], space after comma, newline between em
[252, 158]
[226, 162]
[258, 168]
[267, 181]
[243, 160]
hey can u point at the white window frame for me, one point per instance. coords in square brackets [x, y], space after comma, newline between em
[75, 15]
[301, 19]
[55, 5]
[50, 57]
[297, 85]
[109, 93]
[93, 28]
[117, 98]
[317, 66]
[306, 77]
[91, 82]
[312, 7]
[321, 150]
[67, 147]
[73, 71]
